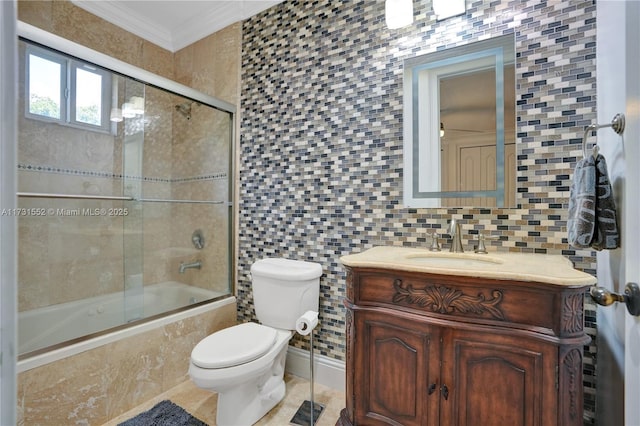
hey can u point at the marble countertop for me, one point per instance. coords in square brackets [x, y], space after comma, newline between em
[545, 268]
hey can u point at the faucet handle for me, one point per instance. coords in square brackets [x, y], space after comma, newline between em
[435, 245]
[481, 248]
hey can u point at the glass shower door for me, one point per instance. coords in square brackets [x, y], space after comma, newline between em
[126, 203]
[131, 133]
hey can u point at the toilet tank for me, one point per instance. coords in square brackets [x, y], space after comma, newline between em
[284, 289]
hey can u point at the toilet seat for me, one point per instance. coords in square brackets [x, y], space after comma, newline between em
[233, 346]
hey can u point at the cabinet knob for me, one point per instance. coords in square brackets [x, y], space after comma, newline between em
[631, 297]
[432, 388]
[445, 392]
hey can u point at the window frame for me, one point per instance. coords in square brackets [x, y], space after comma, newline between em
[68, 90]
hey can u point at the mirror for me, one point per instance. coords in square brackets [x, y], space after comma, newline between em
[459, 126]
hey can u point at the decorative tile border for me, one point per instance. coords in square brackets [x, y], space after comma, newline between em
[321, 137]
[91, 173]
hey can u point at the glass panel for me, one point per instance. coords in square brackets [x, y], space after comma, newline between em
[44, 87]
[88, 97]
[132, 133]
[88, 264]
[192, 165]
[70, 249]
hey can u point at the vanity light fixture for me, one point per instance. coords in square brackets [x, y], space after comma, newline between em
[447, 8]
[398, 13]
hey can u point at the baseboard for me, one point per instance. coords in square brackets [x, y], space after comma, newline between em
[328, 371]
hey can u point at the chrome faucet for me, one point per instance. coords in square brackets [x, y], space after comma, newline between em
[195, 265]
[456, 241]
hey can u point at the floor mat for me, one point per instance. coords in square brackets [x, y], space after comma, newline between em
[164, 413]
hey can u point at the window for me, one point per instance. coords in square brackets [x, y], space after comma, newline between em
[45, 77]
[66, 91]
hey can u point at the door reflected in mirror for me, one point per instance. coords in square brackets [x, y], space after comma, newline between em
[459, 117]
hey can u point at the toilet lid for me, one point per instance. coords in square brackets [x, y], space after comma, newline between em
[234, 346]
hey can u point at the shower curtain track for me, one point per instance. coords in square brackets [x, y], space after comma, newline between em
[112, 198]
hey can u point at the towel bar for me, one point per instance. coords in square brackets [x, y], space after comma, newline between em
[617, 124]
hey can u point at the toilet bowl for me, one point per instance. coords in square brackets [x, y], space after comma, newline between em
[246, 391]
[244, 364]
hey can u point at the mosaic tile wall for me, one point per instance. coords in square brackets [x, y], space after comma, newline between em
[321, 137]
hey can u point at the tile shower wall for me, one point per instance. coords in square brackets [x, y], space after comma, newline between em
[321, 137]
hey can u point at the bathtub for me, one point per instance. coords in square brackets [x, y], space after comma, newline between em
[43, 327]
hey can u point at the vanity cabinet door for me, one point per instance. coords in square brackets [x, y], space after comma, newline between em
[495, 379]
[398, 371]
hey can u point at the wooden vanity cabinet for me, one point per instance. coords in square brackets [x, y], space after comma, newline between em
[394, 357]
[426, 349]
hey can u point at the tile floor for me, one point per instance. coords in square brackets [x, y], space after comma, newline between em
[202, 404]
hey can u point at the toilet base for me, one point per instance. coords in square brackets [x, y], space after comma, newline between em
[255, 404]
[247, 403]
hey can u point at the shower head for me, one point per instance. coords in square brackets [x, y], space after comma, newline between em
[185, 109]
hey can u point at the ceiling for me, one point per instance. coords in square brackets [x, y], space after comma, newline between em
[174, 24]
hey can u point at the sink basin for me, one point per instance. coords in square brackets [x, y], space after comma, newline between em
[452, 259]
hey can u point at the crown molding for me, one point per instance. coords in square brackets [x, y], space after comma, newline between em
[126, 19]
[200, 26]
[220, 15]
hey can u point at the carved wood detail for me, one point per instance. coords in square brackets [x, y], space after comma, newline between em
[348, 410]
[349, 284]
[572, 364]
[446, 300]
[572, 313]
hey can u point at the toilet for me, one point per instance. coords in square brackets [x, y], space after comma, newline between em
[244, 364]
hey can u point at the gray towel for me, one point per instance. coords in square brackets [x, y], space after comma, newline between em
[592, 212]
[582, 204]
[606, 234]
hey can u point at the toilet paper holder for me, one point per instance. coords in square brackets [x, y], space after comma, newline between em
[309, 411]
[307, 322]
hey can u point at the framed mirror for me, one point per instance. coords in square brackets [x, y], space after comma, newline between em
[459, 126]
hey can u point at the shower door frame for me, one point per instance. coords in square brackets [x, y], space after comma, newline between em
[36, 35]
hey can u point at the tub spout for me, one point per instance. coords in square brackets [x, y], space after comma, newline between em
[195, 265]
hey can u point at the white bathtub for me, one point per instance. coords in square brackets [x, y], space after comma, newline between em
[43, 327]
